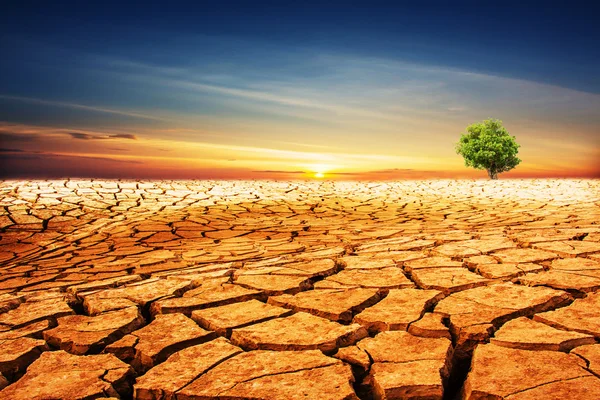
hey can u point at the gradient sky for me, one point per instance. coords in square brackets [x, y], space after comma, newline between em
[262, 90]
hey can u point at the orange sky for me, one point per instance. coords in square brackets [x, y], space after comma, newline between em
[51, 152]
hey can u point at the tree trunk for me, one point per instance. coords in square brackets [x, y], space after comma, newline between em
[492, 174]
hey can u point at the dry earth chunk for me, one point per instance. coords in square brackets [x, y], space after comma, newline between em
[570, 248]
[591, 354]
[479, 260]
[301, 331]
[431, 262]
[354, 356]
[275, 375]
[580, 281]
[320, 267]
[575, 264]
[205, 297]
[9, 301]
[448, 280]
[475, 313]
[33, 330]
[497, 303]
[584, 388]
[155, 342]
[33, 311]
[364, 262]
[17, 354]
[506, 270]
[336, 305]
[456, 250]
[225, 318]
[181, 368]
[432, 325]
[400, 347]
[385, 278]
[525, 334]
[408, 380]
[332, 382]
[524, 255]
[581, 316]
[80, 334]
[522, 370]
[274, 285]
[395, 244]
[398, 309]
[407, 366]
[60, 375]
[100, 306]
[474, 247]
[103, 283]
[140, 293]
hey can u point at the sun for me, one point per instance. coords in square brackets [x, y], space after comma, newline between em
[319, 170]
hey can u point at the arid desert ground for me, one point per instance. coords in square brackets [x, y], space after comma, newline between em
[435, 289]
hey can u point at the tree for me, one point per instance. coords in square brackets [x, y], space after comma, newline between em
[488, 145]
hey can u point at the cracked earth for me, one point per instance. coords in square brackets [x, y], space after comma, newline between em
[300, 290]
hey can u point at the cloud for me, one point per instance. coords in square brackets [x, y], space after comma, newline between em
[17, 137]
[316, 146]
[80, 106]
[279, 172]
[22, 154]
[380, 171]
[331, 106]
[116, 160]
[79, 135]
[121, 136]
[87, 136]
[46, 165]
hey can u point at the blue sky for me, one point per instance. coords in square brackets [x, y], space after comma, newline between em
[239, 87]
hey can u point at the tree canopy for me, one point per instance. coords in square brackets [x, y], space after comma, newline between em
[488, 145]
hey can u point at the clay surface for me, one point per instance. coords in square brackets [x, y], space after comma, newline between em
[441, 289]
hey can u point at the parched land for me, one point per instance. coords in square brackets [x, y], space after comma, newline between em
[300, 290]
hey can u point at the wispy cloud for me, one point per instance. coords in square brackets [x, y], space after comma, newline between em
[8, 136]
[79, 135]
[21, 154]
[272, 171]
[87, 136]
[55, 103]
[121, 136]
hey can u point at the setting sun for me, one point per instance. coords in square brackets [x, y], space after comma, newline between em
[319, 170]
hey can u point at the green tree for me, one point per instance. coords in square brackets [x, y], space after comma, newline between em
[488, 145]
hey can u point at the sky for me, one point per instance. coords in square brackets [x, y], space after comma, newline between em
[268, 90]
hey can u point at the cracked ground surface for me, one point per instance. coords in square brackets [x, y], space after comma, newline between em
[300, 290]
